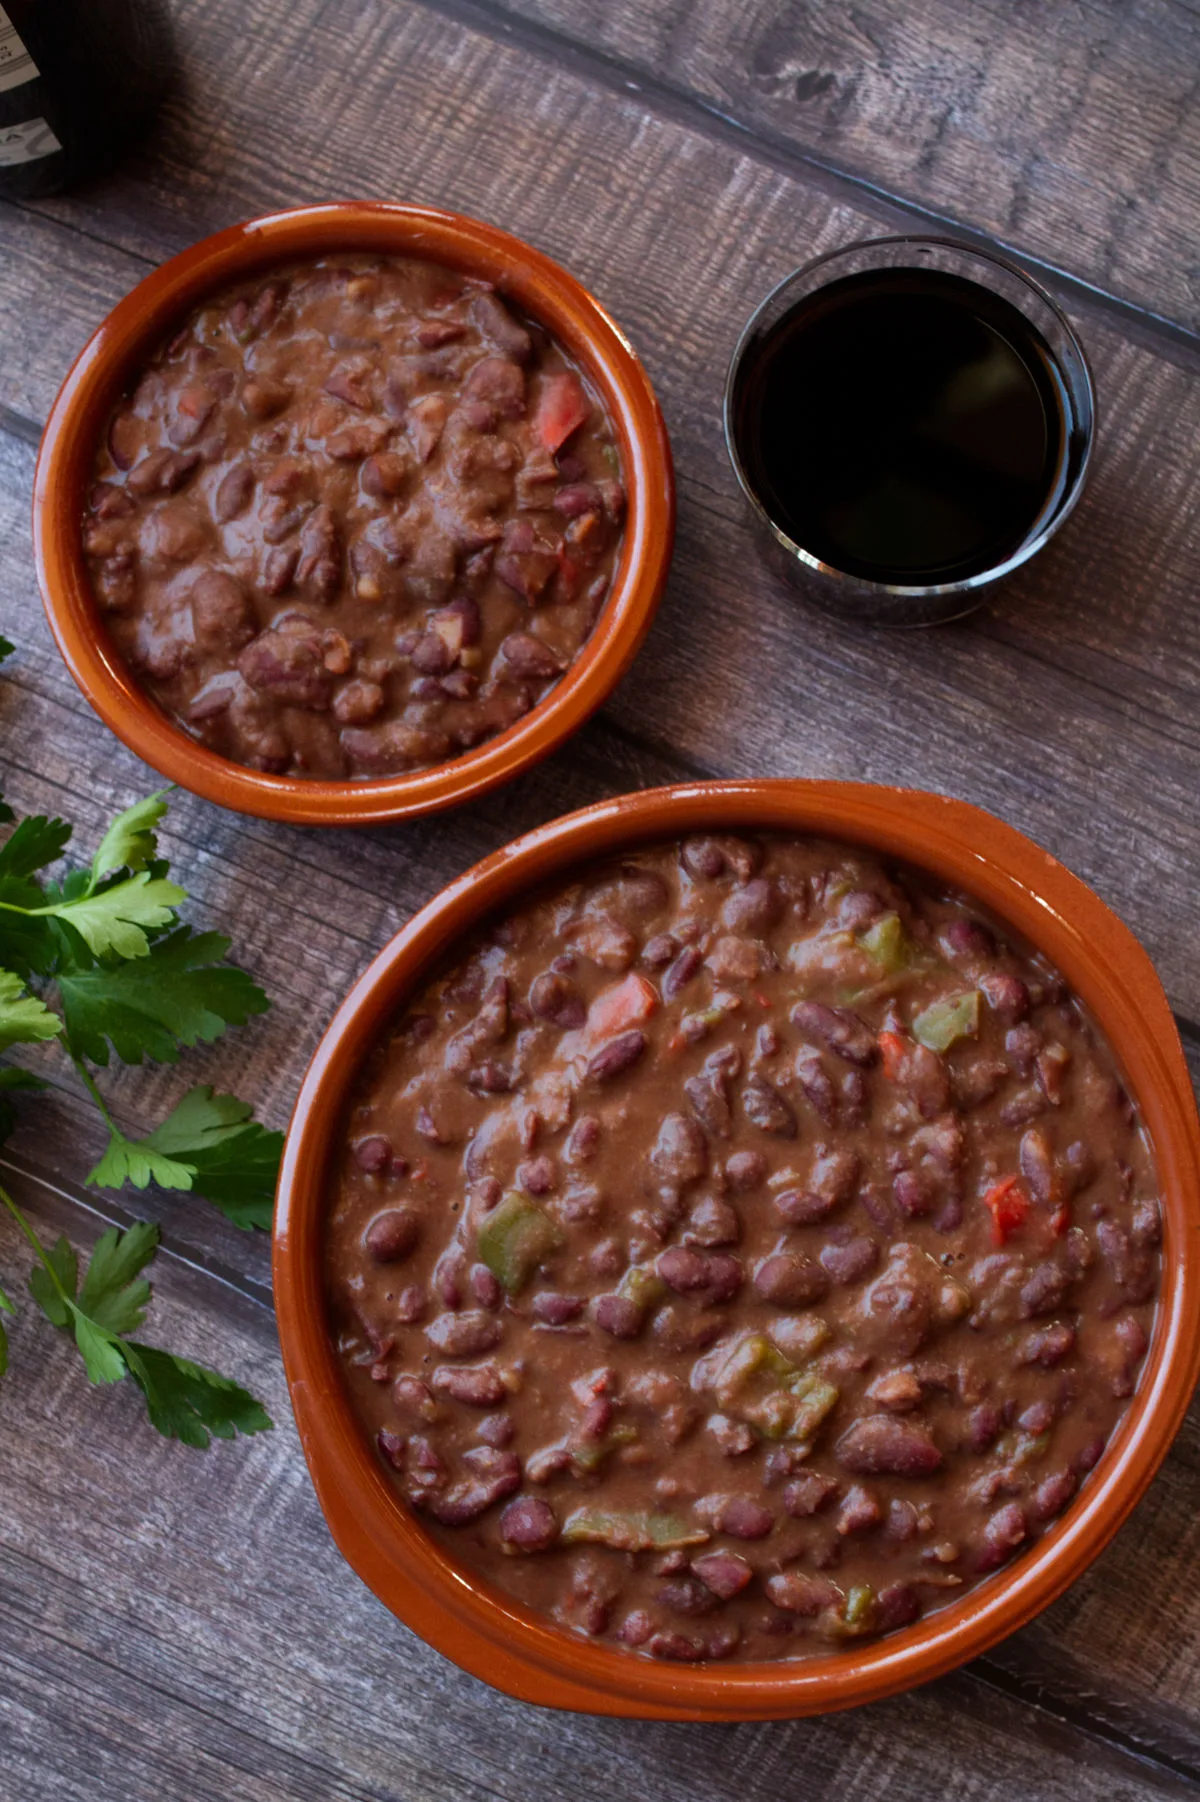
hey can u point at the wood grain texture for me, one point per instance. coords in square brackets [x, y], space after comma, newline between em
[1070, 131]
[1069, 707]
[177, 1637]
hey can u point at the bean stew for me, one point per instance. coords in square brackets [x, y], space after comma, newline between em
[742, 1248]
[354, 518]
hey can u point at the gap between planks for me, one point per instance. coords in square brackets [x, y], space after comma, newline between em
[1154, 331]
[1142, 325]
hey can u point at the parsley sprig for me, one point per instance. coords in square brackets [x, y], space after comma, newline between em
[98, 963]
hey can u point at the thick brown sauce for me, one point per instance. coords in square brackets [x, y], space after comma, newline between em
[890, 1301]
[354, 518]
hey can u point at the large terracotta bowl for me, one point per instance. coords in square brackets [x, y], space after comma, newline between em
[131, 334]
[489, 1633]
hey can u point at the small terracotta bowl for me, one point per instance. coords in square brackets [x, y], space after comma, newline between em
[490, 1634]
[132, 333]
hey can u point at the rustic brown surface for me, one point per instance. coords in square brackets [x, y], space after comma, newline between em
[181, 1627]
[1069, 131]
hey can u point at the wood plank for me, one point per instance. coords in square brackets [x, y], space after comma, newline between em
[141, 1584]
[1020, 710]
[1070, 132]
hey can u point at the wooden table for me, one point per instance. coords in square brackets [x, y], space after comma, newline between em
[177, 1626]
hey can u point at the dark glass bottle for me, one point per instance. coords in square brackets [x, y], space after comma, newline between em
[79, 80]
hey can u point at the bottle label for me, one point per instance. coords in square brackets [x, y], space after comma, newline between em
[16, 65]
[25, 143]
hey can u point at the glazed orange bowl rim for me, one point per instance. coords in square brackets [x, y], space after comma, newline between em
[486, 1631]
[134, 331]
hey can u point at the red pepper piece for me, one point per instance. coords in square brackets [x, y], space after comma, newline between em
[1009, 1207]
[562, 409]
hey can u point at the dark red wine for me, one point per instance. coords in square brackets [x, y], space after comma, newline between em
[906, 426]
[79, 80]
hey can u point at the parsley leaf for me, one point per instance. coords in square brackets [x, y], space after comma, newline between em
[185, 1401]
[35, 842]
[129, 843]
[117, 918]
[181, 992]
[6, 649]
[23, 1018]
[53, 1281]
[27, 942]
[207, 1143]
[114, 1296]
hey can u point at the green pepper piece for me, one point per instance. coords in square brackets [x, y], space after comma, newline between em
[589, 1458]
[515, 1238]
[888, 944]
[943, 1023]
[755, 1382]
[630, 1532]
[860, 1605]
[641, 1286]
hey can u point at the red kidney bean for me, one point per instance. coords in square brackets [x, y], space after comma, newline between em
[745, 1170]
[717, 1275]
[724, 1573]
[799, 1594]
[686, 1595]
[1146, 1225]
[494, 1474]
[808, 1493]
[734, 1437]
[849, 1262]
[839, 1028]
[1003, 1532]
[537, 1176]
[485, 1286]
[896, 1390]
[1044, 1289]
[738, 1515]
[476, 1385]
[896, 1605]
[617, 1056]
[414, 1399]
[556, 1310]
[162, 472]
[411, 1306]
[528, 1524]
[790, 1280]
[712, 1222]
[858, 1511]
[882, 1446]
[392, 1446]
[817, 1084]
[659, 950]
[1006, 995]
[464, 1335]
[496, 1429]
[755, 907]
[393, 1235]
[983, 1427]
[680, 1152]
[554, 997]
[618, 1316]
[373, 1153]
[1052, 1495]
[766, 1108]
[801, 1207]
[681, 972]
